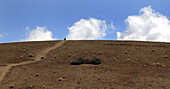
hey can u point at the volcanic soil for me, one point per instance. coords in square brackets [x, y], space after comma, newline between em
[46, 65]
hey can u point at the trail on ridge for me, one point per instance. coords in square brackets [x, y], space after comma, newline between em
[5, 69]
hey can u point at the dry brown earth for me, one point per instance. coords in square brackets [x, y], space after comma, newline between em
[125, 65]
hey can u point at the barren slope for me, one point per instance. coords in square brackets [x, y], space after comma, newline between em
[19, 52]
[125, 65]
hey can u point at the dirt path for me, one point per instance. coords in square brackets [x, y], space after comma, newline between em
[5, 69]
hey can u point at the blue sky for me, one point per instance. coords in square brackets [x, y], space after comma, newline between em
[58, 15]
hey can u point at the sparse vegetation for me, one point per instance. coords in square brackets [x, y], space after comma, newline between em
[78, 61]
[95, 61]
[86, 61]
[82, 60]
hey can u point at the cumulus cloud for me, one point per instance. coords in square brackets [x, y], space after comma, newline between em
[88, 29]
[39, 34]
[147, 26]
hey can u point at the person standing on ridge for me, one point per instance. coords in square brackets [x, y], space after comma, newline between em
[64, 39]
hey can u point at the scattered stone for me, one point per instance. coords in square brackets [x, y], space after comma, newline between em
[152, 50]
[25, 78]
[117, 57]
[24, 50]
[53, 51]
[32, 59]
[137, 58]
[87, 53]
[30, 55]
[63, 77]
[153, 64]
[99, 78]
[43, 86]
[20, 50]
[144, 65]
[11, 87]
[78, 83]
[76, 50]
[30, 86]
[128, 59]
[55, 56]
[69, 55]
[114, 55]
[21, 57]
[158, 64]
[42, 57]
[60, 79]
[125, 52]
[165, 56]
[150, 85]
[36, 75]
[163, 65]
[128, 56]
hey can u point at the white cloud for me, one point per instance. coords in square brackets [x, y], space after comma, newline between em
[147, 26]
[111, 26]
[39, 34]
[88, 29]
[1, 35]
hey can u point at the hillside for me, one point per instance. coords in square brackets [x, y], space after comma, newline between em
[125, 65]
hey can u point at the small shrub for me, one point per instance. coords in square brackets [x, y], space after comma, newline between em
[77, 61]
[82, 60]
[95, 61]
[87, 61]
